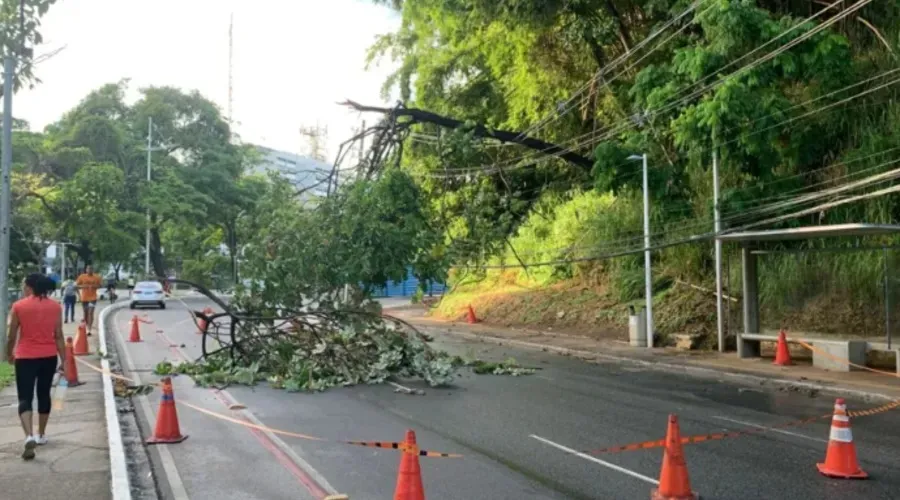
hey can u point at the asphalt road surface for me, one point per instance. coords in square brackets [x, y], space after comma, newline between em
[519, 435]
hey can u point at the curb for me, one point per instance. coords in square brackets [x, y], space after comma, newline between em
[659, 365]
[120, 486]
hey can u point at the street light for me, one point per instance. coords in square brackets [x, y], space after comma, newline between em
[648, 279]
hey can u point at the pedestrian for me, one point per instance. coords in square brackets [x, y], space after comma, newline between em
[70, 296]
[130, 285]
[35, 340]
[88, 283]
[111, 288]
[56, 279]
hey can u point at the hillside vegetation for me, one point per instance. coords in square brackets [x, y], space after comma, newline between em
[794, 97]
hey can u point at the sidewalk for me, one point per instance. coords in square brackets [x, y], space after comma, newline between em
[75, 463]
[801, 376]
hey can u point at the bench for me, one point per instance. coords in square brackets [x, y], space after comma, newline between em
[748, 345]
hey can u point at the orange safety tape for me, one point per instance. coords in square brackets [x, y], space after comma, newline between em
[403, 447]
[701, 438]
[757, 430]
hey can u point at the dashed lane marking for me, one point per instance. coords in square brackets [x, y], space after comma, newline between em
[596, 460]
[772, 429]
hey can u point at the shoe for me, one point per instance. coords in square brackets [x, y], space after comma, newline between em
[40, 439]
[30, 443]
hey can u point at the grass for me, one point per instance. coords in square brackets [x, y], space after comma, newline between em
[7, 374]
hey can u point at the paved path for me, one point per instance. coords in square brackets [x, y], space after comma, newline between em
[517, 433]
[75, 463]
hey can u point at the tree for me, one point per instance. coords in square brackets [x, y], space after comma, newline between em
[19, 20]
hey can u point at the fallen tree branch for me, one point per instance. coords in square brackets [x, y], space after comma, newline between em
[505, 136]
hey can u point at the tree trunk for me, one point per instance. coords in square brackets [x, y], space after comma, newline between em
[506, 136]
[156, 256]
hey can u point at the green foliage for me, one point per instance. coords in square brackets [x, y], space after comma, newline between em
[775, 125]
[367, 234]
[19, 22]
[7, 374]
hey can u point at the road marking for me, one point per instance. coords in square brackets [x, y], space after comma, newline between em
[312, 479]
[168, 462]
[596, 460]
[780, 431]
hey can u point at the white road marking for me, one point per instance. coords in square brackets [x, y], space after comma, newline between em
[596, 460]
[779, 431]
[292, 455]
[165, 456]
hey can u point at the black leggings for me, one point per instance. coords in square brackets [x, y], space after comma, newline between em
[29, 372]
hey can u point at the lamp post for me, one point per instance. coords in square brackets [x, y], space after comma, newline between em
[648, 278]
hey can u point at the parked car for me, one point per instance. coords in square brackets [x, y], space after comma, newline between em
[148, 293]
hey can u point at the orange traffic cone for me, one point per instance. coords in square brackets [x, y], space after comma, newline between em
[81, 343]
[70, 369]
[470, 317]
[409, 479]
[167, 429]
[782, 353]
[135, 330]
[840, 459]
[674, 483]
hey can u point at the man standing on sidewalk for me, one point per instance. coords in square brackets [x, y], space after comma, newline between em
[70, 296]
[89, 283]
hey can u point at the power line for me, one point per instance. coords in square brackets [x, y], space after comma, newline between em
[701, 237]
[625, 124]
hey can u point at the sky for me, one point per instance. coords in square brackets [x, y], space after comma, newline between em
[293, 60]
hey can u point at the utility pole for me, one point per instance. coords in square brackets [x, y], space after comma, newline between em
[230, 69]
[149, 163]
[717, 227]
[648, 276]
[9, 63]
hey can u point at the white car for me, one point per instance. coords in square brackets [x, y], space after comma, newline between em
[148, 293]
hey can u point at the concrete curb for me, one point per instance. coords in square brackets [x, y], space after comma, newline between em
[120, 485]
[659, 365]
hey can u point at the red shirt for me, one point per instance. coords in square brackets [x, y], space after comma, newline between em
[37, 325]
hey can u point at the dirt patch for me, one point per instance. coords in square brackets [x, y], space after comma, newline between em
[565, 308]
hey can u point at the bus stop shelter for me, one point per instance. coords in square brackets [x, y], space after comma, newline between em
[749, 241]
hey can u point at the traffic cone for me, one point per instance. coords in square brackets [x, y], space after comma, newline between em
[167, 430]
[674, 483]
[70, 369]
[470, 316]
[409, 479]
[782, 353]
[81, 343]
[135, 330]
[840, 459]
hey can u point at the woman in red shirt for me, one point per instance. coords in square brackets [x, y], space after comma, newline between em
[35, 340]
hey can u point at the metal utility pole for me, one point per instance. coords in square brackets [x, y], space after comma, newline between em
[149, 163]
[717, 227]
[5, 166]
[648, 277]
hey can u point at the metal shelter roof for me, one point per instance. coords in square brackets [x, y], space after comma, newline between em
[810, 232]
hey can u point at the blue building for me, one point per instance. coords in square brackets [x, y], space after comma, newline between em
[408, 287]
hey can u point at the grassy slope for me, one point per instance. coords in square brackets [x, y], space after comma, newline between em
[574, 307]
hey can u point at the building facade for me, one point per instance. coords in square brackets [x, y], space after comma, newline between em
[302, 171]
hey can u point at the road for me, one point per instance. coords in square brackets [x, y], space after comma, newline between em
[516, 433]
